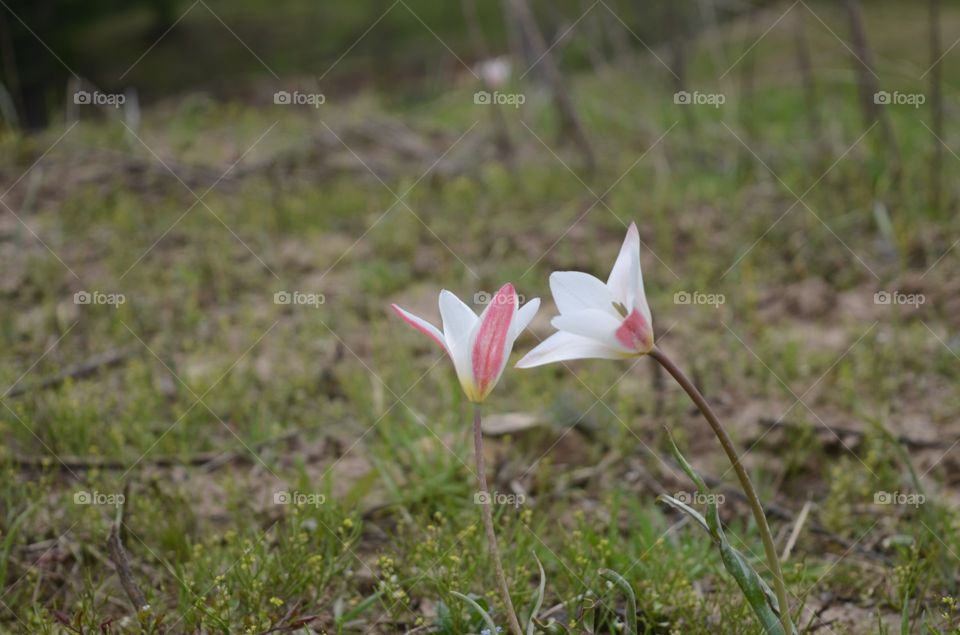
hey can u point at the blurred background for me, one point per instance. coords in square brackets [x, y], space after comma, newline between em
[162, 48]
[207, 207]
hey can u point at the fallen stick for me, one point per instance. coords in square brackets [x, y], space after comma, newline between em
[211, 461]
[910, 442]
[795, 532]
[97, 463]
[83, 369]
[119, 559]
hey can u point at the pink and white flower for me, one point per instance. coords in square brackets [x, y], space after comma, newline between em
[598, 320]
[478, 346]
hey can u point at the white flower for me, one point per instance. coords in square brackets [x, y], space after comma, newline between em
[478, 346]
[598, 320]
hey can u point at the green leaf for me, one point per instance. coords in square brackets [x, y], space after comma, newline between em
[754, 588]
[355, 611]
[479, 609]
[624, 586]
[680, 506]
[539, 600]
[7, 547]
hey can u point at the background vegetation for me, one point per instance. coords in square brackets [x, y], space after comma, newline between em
[794, 203]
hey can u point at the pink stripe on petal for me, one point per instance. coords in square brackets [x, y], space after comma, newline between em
[635, 333]
[421, 325]
[489, 349]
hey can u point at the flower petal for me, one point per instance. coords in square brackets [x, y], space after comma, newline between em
[635, 333]
[421, 325]
[576, 291]
[523, 318]
[626, 277]
[595, 324]
[492, 343]
[563, 346]
[459, 326]
[458, 318]
[621, 280]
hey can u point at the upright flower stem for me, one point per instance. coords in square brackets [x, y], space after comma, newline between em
[771, 550]
[487, 508]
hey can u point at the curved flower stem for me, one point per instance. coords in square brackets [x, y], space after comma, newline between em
[486, 505]
[751, 494]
